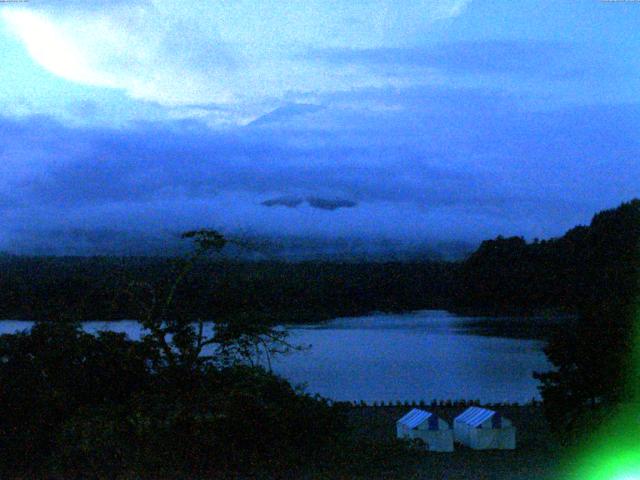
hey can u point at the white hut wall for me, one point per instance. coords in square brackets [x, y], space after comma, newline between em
[461, 433]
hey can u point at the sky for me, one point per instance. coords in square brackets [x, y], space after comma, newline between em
[407, 121]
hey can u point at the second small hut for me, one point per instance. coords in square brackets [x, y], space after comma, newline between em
[483, 429]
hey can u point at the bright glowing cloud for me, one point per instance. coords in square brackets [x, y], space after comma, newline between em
[121, 50]
[220, 52]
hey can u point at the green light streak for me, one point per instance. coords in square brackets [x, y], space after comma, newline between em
[613, 452]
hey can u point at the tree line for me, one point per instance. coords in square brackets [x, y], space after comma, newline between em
[90, 288]
[586, 266]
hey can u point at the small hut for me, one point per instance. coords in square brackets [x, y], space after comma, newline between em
[432, 430]
[483, 429]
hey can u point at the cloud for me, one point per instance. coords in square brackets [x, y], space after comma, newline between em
[473, 164]
[356, 118]
[285, 113]
[551, 59]
[215, 52]
[162, 60]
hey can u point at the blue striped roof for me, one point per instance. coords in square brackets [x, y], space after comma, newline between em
[414, 418]
[474, 416]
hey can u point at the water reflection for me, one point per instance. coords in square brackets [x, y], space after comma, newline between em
[421, 355]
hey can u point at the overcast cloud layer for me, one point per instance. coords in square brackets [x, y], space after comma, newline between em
[423, 122]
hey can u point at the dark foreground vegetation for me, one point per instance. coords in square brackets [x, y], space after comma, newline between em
[76, 405]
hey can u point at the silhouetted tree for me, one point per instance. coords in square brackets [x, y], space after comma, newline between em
[83, 405]
[593, 356]
[178, 341]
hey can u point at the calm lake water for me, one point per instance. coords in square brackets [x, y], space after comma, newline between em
[413, 356]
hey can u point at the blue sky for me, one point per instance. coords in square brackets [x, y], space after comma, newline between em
[412, 121]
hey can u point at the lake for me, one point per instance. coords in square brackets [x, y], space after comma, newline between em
[421, 355]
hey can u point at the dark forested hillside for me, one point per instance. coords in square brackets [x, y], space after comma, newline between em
[48, 288]
[584, 267]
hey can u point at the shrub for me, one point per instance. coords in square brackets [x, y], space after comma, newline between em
[52, 372]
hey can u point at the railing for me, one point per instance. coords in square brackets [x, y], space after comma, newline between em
[434, 403]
